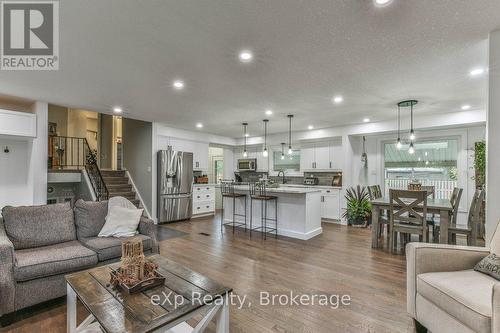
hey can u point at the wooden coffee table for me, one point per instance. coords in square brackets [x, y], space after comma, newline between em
[161, 309]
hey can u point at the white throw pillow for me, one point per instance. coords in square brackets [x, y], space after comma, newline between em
[121, 222]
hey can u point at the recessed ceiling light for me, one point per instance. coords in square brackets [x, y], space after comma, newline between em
[247, 135]
[269, 112]
[246, 56]
[117, 109]
[466, 107]
[311, 127]
[477, 71]
[338, 99]
[178, 84]
[381, 3]
[199, 125]
[366, 120]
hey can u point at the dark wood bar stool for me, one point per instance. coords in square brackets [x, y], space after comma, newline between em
[227, 191]
[258, 191]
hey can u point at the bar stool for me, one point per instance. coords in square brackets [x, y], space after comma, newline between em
[227, 191]
[258, 191]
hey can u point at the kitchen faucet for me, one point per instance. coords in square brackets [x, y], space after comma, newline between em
[282, 172]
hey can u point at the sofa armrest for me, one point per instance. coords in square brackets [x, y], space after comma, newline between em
[7, 282]
[147, 227]
[495, 320]
[427, 257]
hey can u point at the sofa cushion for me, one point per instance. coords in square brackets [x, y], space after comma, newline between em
[111, 247]
[465, 295]
[90, 217]
[52, 260]
[35, 226]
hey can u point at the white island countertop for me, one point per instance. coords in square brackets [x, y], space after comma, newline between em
[285, 189]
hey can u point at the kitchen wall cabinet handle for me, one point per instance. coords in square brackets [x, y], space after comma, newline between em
[330, 164]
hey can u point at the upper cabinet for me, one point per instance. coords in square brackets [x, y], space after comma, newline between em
[321, 156]
[199, 150]
[17, 123]
[254, 152]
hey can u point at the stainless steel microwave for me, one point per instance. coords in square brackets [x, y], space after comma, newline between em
[247, 164]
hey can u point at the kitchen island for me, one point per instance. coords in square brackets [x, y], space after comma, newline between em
[299, 210]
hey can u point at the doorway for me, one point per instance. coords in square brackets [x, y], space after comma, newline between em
[110, 142]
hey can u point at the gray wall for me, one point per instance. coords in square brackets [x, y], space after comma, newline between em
[137, 139]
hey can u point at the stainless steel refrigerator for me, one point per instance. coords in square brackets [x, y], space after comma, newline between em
[175, 183]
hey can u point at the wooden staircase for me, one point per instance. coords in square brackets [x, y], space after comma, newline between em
[118, 184]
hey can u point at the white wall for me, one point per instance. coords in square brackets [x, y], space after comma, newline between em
[23, 171]
[39, 154]
[493, 138]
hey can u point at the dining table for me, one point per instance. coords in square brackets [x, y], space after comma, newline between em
[441, 207]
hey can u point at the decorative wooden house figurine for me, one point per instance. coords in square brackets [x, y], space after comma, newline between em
[133, 260]
[135, 273]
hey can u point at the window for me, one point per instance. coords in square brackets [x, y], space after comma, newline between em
[290, 162]
[433, 164]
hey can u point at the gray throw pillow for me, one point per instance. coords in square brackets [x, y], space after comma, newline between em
[90, 217]
[489, 265]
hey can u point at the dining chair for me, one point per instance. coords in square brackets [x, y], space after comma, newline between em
[431, 218]
[408, 212]
[473, 220]
[374, 193]
[455, 198]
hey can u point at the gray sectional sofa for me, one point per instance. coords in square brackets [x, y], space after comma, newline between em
[41, 244]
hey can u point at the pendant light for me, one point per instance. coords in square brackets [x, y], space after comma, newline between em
[265, 153]
[245, 154]
[283, 150]
[398, 144]
[407, 104]
[411, 150]
[290, 151]
[412, 132]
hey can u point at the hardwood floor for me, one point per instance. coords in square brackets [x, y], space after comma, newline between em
[340, 261]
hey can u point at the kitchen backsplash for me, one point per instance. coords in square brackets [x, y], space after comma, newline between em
[324, 178]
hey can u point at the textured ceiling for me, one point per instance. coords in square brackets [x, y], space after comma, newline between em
[127, 53]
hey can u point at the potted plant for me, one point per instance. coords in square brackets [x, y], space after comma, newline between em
[358, 209]
[480, 164]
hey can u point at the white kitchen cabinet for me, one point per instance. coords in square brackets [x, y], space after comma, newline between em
[262, 162]
[15, 123]
[330, 204]
[200, 156]
[307, 157]
[203, 200]
[336, 157]
[321, 156]
[199, 150]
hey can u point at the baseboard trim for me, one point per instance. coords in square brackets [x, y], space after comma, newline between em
[287, 232]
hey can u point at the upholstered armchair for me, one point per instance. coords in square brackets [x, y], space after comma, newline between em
[445, 294]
